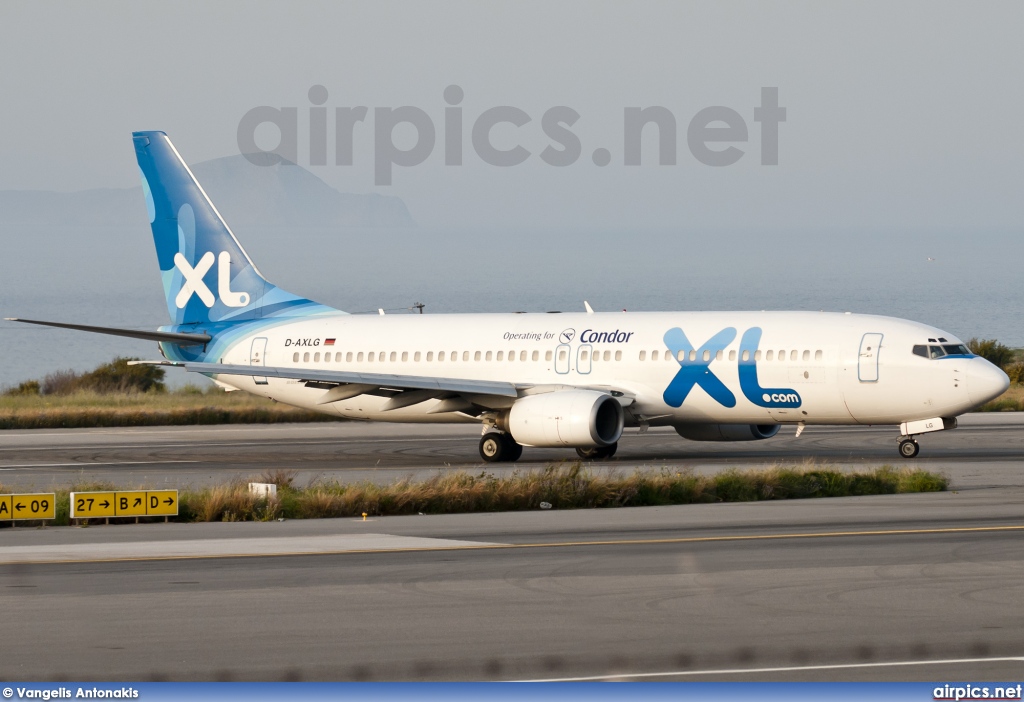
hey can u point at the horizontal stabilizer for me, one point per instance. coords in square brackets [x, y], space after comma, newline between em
[185, 339]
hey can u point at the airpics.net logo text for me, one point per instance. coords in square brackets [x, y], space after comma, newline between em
[715, 136]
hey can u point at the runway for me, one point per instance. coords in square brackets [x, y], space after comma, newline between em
[986, 450]
[898, 587]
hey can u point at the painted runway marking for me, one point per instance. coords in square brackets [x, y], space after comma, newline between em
[784, 669]
[80, 464]
[9, 555]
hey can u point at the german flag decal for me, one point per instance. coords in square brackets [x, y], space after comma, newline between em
[328, 342]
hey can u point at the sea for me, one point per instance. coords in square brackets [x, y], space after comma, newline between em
[966, 282]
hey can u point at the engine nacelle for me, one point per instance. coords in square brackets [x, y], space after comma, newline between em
[577, 418]
[727, 432]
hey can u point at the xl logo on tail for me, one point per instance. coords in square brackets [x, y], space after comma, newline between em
[194, 284]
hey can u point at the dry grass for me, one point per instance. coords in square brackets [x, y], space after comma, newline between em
[1010, 401]
[91, 409]
[563, 486]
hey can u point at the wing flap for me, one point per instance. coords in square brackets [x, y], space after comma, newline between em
[377, 380]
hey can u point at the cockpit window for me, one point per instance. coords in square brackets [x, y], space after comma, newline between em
[957, 350]
[921, 350]
[936, 352]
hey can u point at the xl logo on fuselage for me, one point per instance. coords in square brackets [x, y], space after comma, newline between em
[694, 371]
[194, 284]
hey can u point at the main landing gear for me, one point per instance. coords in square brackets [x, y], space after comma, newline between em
[496, 447]
[909, 447]
[597, 453]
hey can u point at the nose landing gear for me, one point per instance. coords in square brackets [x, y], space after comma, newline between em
[909, 447]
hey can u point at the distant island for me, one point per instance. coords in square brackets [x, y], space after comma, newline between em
[247, 195]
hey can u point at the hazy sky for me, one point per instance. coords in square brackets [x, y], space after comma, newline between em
[899, 115]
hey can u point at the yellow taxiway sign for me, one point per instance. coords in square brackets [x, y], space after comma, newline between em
[131, 503]
[36, 505]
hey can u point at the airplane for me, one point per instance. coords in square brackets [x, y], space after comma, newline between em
[571, 381]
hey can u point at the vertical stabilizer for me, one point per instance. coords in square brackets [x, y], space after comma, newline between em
[207, 276]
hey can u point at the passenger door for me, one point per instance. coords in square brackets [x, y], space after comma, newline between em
[867, 361]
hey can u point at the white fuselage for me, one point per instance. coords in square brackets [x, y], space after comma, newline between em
[811, 367]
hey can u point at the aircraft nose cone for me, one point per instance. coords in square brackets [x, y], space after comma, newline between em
[985, 381]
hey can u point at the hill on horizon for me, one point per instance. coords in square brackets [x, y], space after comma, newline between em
[280, 195]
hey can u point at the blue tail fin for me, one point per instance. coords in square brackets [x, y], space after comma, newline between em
[207, 276]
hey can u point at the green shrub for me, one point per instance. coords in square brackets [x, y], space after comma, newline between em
[29, 387]
[991, 350]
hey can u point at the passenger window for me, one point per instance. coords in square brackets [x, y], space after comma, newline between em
[440, 356]
[654, 355]
[921, 350]
[382, 356]
[430, 356]
[782, 355]
[511, 356]
[732, 355]
[405, 356]
[792, 355]
[416, 357]
[618, 355]
[707, 355]
[394, 356]
[769, 356]
[548, 355]
[746, 355]
[719, 355]
[305, 357]
[561, 355]
[936, 352]
[465, 355]
[536, 355]
[693, 355]
[681, 355]
[597, 355]
[316, 357]
[807, 355]
[295, 357]
[817, 355]
[501, 355]
[477, 356]
[488, 355]
[327, 357]
[522, 355]
[643, 355]
[455, 356]
[583, 355]
[360, 357]
[607, 355]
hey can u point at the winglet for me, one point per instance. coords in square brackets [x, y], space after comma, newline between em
[590, 310]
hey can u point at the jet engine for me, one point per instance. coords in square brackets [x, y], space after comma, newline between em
[727, 432]
[577, 418]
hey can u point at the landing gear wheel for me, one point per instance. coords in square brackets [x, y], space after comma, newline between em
[597, 453]
[909, 448]
[492, 447]
[496, 448]
[513, 450]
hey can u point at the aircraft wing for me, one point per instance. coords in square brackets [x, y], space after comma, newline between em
[364, 380]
